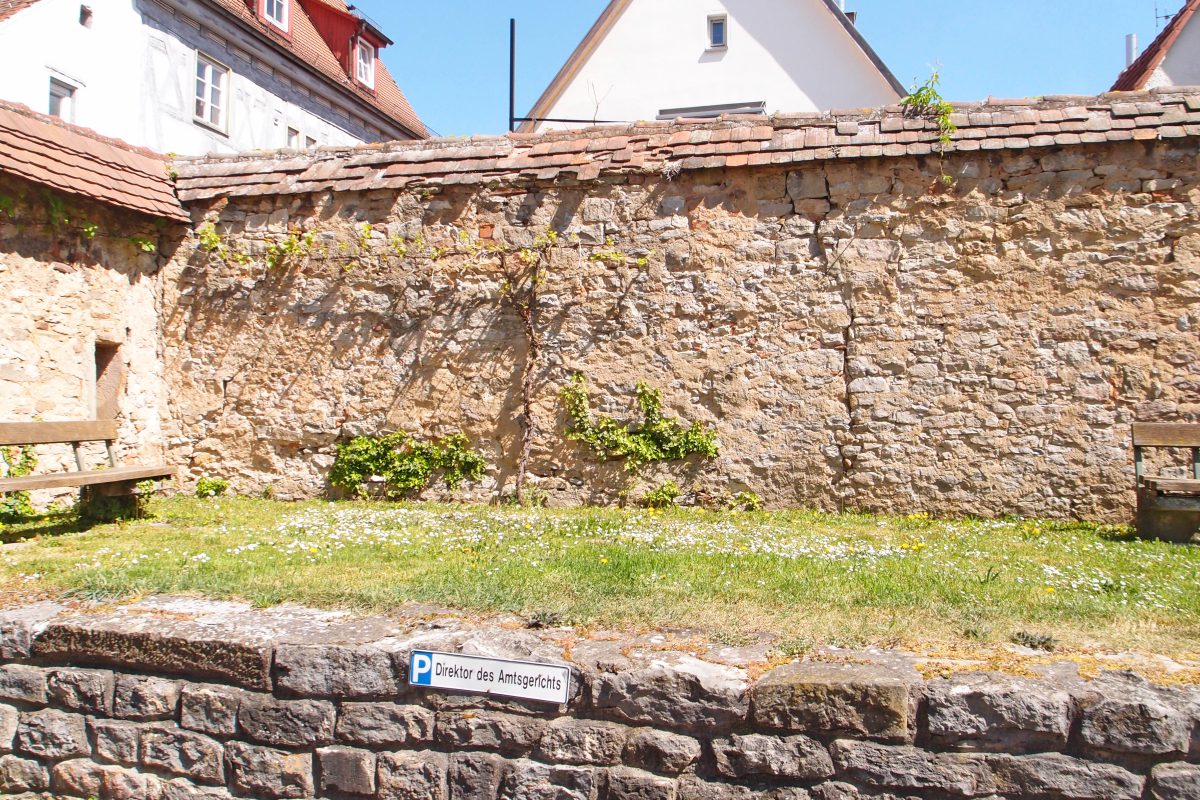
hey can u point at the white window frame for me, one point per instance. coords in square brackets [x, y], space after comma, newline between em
[364, 71]
[65, 92]
[205, 118]
[723, 19]
[293, 141]
[284, 9]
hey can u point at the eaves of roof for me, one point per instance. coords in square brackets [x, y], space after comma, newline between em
[613, 12]
[1137, 75]
[10, 7]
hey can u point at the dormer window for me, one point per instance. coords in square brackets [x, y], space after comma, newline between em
[365, 63]
[276, 12]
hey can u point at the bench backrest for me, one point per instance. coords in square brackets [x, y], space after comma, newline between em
[1165, 434]
[22, 433]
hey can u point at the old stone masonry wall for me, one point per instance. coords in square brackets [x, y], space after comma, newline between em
[861, 334]
[179, 699]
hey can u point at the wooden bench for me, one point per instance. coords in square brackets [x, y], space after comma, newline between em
[1168, 508]
[114, 481]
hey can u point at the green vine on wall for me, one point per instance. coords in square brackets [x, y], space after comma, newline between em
[18, 462]
[658, 438]
[925, 101]
[405, 465]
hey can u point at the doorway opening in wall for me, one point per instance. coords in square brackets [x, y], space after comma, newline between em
[109, 377]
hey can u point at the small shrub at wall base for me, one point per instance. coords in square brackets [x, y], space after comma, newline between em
[211, 487]
[663, 496]
[404, 466]
[18, 463]
[1035, 641]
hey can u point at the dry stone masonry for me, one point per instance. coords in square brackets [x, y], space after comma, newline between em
[159, 701]
[860, 333]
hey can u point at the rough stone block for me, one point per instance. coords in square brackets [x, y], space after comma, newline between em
[692, 788]
[578, 741]
[1059, 776]
[22, 775]
[128, 784]
[693, 694]
[475, 776]
[340, 671]
[185, 753]
[903, 767]
[412, 776]
[1139, 724]
[18, 627]
[489, 730]
[88, 691]
[146, 698]
[287, 723]
[384, 725]
[23, 684]
[661, 751]
[209, 708]
[117, 742]
[632, 784]
[529, 780]
[53, 735]
[797, 757]
[274, 773]
[182, 789]
[1175, 782]
[10, 719]
[985, 712]
[78, 778]
[807, 185]
[848, 700]
[346, 769]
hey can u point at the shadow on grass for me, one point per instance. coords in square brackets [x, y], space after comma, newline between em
[44, 525]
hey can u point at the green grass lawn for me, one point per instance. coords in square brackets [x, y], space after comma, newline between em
[848, 580]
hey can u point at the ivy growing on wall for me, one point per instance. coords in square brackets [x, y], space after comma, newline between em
[404, 465]
[658, 438]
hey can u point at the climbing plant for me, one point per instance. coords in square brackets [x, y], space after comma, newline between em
[405, 465]
[18, 462]
[658, 438]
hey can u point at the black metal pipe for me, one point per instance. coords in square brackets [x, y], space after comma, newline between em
[512, 75]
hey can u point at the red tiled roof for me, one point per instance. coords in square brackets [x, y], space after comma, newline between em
[1137, 74]
[658, 148]
[79, 161]
[308, 45]
[10, 7]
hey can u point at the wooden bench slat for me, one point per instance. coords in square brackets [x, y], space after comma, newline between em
[21, 433]
[1172, 485]
[1165, 434]
[94, 477]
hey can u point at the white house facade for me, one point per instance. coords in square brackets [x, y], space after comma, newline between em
[1172, 59]
[199, 76]
[661, 59]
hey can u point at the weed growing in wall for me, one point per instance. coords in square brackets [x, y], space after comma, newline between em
[925, 101]
[658, 438]
[403, 465]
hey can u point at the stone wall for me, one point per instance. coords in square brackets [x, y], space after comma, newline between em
[178, 699]
[61, 295]
[860, 334]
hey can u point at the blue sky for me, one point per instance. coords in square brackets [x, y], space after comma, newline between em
[451, 56]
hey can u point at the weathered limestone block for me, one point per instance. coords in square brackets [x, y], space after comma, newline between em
[846, 700]
[346, 769]
[529, 780]
[661, 751]
[489, 730]
[209, 708]
[18, 627]
[287, 723]
[637, 785]
[341, 671]
[1177, 781]
[78, 778]
[145, 698]
[128, 784]
[385, 725]
[1138, 724]
[1000, 713]
[274, 773]
[22, 775]
[117, 742]
[53, 735]
[417, 775]
[10, 719]
[691, 787]
[23, 684]
[183, 753]
[798, 757]
[691, 694]
[904, 767]
[182, 789]
[577, 741]
[88, 691]
[1060, 776]
[475, 776]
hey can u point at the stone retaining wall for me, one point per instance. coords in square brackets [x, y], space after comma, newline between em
[182, 699]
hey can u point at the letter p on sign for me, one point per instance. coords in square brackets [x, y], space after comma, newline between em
[422, 669]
